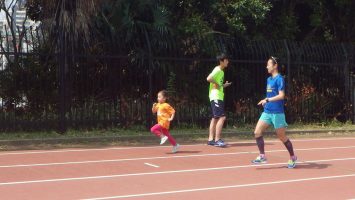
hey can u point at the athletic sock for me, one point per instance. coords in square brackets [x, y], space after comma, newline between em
[260, 143]
[289, 147]
[294, 158]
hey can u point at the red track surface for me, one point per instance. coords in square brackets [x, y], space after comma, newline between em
[326, 171]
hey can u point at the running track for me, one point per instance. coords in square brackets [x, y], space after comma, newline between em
[326, 171]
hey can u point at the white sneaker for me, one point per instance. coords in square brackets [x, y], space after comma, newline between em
[176, 148]
[163, 140]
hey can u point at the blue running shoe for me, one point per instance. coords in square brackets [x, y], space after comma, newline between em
[211, 143]
[260, 160]
[220, 143]
[292, 162]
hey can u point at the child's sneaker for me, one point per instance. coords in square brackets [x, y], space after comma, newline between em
[211, 143]
[220, 143]
[163, 140]
[292, 162]
[259, 160]
[176, 148]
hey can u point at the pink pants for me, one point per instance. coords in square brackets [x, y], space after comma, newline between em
[158, 130]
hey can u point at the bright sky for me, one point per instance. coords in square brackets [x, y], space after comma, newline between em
[2, 15]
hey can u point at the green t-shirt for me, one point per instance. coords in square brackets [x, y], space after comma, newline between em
[218, 77]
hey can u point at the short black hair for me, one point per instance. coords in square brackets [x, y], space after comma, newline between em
[222, 57]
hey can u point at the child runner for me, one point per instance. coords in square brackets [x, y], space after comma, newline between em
[165, 114]
[216, 96]
[273, 113]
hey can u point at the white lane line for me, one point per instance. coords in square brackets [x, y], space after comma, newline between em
[166, 157]
[225, 187]
[152, 147]
[165, 172]
[149, 164]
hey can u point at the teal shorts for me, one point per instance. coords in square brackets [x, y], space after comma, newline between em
[278, 120]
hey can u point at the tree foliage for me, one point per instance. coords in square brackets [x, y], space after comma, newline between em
[320, 20]
[117, 50]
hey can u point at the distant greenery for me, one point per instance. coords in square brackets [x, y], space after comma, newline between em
[312, 20]
[119, 53]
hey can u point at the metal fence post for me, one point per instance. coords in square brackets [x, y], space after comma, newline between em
[352, 61]
[346, 71]
[150, 65]
[62, 81]
[351, 76]
[347, 75]
[289, 78]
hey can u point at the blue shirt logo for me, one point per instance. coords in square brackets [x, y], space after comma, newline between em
[274, 85]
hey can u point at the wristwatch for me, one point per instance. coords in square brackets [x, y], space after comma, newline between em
[267, 100]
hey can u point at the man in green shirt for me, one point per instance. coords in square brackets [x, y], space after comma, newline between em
[216, 96]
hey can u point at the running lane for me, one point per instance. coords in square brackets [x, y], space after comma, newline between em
[184, 174]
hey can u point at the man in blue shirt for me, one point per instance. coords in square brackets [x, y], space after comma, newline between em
[274, 114]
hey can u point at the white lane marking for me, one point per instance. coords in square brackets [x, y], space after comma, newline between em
[164, 172]
[225, 187]
[152, 165]
[152, 147]
[165, 157]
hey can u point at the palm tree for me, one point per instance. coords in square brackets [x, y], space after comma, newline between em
[66, 24]
[121, 25]
[73, 17]
[83, 26]
[133, 24]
